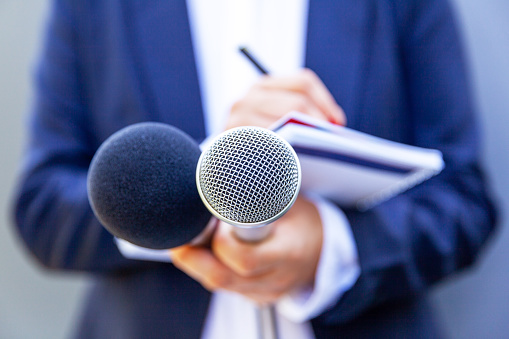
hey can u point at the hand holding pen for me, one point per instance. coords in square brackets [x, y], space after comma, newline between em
[274, 96]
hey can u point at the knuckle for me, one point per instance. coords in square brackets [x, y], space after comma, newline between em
[247, 266]
[302, 85]
[281, 287]
[307, 80]
[309, 75]
[301, 104]
[278, 295]
[208, 287]
[217, 280]
[273, 297]
[180, 257]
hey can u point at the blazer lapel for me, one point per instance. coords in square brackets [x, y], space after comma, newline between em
[338, 48]
[166, 66]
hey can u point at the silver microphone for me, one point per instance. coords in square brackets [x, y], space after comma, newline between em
[248, 177]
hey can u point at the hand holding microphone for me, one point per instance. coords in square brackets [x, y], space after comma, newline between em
[263, 271]
[249, 177]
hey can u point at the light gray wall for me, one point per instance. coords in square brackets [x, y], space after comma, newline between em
[475, 305]
[34, 304]
[38, 304]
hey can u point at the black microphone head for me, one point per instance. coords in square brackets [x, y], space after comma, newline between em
[141, 186]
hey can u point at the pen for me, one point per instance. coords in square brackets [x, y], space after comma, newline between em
[248, 55]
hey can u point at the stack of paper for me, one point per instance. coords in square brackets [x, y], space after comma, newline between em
[352, 168]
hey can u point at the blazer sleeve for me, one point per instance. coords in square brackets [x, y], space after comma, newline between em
[416, 239]
[51, 209]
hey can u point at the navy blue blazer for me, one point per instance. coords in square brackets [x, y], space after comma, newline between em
[395, 66]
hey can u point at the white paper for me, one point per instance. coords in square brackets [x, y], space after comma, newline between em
[354, 168]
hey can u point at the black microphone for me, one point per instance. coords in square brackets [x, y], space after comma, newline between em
[148, 184]
[141, 186]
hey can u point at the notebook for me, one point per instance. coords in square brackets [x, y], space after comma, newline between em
[352, 168]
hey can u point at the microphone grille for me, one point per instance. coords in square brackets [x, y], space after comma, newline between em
[248, 175]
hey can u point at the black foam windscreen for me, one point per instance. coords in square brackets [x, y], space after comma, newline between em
[142, 187]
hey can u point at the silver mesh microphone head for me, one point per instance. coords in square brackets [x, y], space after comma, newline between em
[249, 176]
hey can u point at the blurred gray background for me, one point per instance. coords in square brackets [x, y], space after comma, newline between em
[38, 304]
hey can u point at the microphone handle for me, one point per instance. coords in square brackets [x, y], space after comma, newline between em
[265, 314]
[252, 234]
[266, 322]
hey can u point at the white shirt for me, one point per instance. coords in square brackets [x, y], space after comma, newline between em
[275, 31]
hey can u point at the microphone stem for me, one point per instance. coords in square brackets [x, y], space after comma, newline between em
[265, 314]
[266, 322]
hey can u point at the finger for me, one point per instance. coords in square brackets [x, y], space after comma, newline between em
[309, 84]
[249, 260]
[200, 264]
[244, 115]
[323, 98]
[262, 107]
[277, 103]
[264, 298]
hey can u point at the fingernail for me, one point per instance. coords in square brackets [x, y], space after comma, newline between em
[336, 122]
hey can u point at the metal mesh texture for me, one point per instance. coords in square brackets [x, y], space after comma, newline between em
[249, 175]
